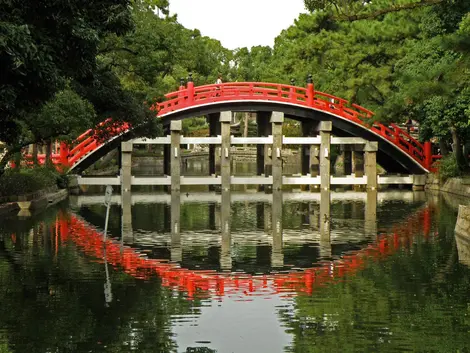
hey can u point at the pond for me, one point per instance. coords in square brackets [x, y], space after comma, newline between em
[242, 275]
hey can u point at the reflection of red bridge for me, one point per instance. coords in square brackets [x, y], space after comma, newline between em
[208, 283]
[301, 102]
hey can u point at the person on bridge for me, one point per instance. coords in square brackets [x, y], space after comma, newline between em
[218, 82]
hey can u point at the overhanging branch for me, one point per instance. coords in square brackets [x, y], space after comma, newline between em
[395, 8]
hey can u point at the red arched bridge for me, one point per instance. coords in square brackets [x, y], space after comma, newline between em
[398, 150]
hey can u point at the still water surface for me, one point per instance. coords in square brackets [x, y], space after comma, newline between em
[395, 285]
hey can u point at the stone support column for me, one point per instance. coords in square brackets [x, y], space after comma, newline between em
[325, 155]
[419, 182]
[175, 128]
[277, 119]
[325, 175]
[370, 159]
[126, 166]
[225, 167]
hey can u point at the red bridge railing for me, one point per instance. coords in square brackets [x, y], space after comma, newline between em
[191, 96]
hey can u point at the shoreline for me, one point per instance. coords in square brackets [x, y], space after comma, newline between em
[36, 205]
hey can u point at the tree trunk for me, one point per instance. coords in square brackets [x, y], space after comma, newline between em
[247, 119]
[35, 154]
[466, 151]
[444, 148]
[457, 147]
[48, 161]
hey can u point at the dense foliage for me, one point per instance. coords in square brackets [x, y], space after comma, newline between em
[25, 181]
[72, 64]
[404, 59]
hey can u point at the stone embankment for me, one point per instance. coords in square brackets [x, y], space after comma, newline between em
[462, 234]
[32, 203]
[457, 186]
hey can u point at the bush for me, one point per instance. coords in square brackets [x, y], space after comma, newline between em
[25, 181]
[449, 168]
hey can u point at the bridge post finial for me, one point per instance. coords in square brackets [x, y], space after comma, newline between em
[310, 90]
[309, 78]
[292, 81]
[190, 89]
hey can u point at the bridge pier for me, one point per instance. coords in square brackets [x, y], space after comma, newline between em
[277, 119]
[225, 165]
[419, 182]
[126, 166]
[370, 159]
[175, 128]
[325, 137]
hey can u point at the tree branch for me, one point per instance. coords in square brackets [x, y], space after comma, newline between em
[109, 50]
[378, 13]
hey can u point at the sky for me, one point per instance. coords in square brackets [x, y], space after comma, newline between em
[238, 23]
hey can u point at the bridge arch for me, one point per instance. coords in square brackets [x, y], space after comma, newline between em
[398, 151]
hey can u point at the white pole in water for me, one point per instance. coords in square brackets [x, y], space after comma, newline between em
[108, 295]
[107, 202]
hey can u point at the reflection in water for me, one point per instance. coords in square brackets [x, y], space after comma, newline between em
[226, 244]
[386, 278]
[176, 249]
[277, 257]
